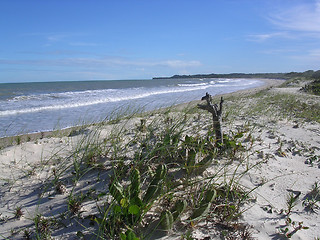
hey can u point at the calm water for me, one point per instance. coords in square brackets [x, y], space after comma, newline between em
[34, 107]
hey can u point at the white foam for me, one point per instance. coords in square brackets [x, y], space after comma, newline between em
[61, 95]
[192, 84]
[82, 103]
[76, 99]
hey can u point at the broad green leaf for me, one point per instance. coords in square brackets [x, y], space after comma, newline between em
[123, 236]
[117, 209]
[131, 235]
[134, 209]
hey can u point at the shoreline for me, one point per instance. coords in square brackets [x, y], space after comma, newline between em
[21, 138]
[268, 83]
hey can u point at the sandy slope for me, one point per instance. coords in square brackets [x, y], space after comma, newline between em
[286, 145]
[282, 148]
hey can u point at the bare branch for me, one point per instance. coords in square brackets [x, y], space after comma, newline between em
[216, 115]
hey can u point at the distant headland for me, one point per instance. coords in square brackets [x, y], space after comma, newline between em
[307, 74]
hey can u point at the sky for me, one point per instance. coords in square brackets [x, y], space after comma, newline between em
[71, 40]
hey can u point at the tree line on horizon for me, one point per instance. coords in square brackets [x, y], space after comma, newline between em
[310, 74]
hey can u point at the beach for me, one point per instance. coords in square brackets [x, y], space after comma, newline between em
[57, 184]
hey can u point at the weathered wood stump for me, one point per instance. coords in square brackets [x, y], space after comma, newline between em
[216, 116]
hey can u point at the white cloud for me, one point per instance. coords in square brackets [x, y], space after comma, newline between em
[304, 17]
[179, 63]
[293, 22]
[83, 44]
[310, 58]
[278, 51]
[267, 36]
[71, 38]
[139, 63]
[103, 62]
[55, 38]
[315, 53]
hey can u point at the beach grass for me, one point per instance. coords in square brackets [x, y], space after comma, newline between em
[127, 163]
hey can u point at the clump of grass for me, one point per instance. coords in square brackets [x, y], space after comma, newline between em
[285, 105]
[42, 226]
[312, 199]
[236, 231]
[18, 213]
[27, 234]
[74, 204]
[18, 140]
[313, 87]
[313, 159]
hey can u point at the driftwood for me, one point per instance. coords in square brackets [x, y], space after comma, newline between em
[216, 116]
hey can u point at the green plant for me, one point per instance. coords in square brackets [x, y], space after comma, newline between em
[166, 220]
[229, 200]
[312, 199]
[202, 210]
[196, 147]
[128, 235]
[313, 87]
[128, 208]
[232, 144]
[27, 234]
[18, 140]
[292, 200]
[178, 208]
[313, 159]
[18, 212]
[75, 203]
[187, 236]
[155, 186]
[291, 227]
[280, 152]
[42, 227]
[236, 231]
[142, 127]
[169, 217]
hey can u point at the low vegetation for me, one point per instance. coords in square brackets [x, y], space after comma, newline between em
[143, 182]
[313, 87]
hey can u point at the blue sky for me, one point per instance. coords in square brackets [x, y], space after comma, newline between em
[67, 40]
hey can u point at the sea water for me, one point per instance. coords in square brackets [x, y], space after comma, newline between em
[46, 106]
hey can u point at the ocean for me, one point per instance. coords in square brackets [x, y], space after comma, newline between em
[46, 106]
